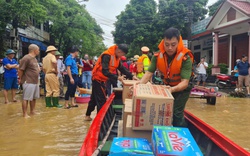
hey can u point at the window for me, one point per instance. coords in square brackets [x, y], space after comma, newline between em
[197, 47]
[46, 26]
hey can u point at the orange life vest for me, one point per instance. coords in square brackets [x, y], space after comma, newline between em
[139, 63]
[113, 64]
[172, 71]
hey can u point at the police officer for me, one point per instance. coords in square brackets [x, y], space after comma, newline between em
[51, 79]
[143, 62]
[174, 61]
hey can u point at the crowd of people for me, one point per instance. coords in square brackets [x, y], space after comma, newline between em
[79, 71]
[173, 61]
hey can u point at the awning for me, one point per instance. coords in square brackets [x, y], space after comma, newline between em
[42, 46]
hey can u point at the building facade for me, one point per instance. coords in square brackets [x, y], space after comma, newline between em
[35, 33]
[230, 27]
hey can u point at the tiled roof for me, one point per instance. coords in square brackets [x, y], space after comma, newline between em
[244, 6]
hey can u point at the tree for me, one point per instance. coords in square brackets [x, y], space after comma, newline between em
[70, 23]
[134, 25]
[73, 25]
[213, 8]
[180, 14]
[140, 24]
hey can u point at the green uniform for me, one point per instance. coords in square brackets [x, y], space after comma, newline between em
[180, 98]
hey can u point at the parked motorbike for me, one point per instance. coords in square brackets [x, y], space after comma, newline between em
[225, 81]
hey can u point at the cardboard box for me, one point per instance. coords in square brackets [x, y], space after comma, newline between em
[127, 110]
[120, 128]
[168, 141]
[85, 91]
[152, 105]
[127, 93]
[130, 146]
[129, 132]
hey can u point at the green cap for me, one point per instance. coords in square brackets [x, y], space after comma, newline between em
[58, 53]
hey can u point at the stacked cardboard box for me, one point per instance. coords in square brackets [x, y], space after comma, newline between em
[128, 104]
[127, 93]
[120, 128]
[129, 132]
[168, 141]
[152, 105]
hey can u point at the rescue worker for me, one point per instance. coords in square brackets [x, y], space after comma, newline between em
[107, 63]
[143, 62]
[174, 61]
[51, 79]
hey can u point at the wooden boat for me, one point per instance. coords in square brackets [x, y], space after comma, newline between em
[105, 127]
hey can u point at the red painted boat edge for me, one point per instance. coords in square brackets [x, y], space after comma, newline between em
[90, 142]
[219, 139]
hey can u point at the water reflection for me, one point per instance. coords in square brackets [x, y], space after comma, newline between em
[230, 116]
[52, 132]
[61, 132]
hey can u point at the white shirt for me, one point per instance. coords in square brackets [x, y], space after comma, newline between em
[60, 67]
[1, 70]
[201, 69]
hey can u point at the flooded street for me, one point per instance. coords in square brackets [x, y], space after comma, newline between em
[61, 132]
[53, 132]
[230, 116]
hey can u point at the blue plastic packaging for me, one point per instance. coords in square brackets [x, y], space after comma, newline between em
[130, 147]
[174, 141]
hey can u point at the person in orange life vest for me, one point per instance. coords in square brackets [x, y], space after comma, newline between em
[107, 63]
[174, 61]
[143, 62]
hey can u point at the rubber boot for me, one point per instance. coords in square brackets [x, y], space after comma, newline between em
[48, 102]
[56, 102]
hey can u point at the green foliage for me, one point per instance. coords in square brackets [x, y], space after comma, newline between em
[140, 24]
[71, 24]
[223, 68]
[209, 69]
[213, 8]
[134, 25]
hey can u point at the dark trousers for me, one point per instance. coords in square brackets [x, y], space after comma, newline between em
[109, 83]
[71, 89]
[98, 97]
[79, 82]
[180, 100]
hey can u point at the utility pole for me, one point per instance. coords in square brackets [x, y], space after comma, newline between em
[189, 20]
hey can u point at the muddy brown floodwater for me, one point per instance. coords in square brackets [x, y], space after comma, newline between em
[53, 132]
[230, 116]
[60, 132]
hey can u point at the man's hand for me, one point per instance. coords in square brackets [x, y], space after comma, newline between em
[169, 88]
[135, 78]
[72, 81]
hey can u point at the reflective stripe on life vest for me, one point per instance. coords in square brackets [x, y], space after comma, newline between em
[113, 64]
[172, 71]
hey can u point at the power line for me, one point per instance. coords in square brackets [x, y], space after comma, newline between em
[105, 18]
